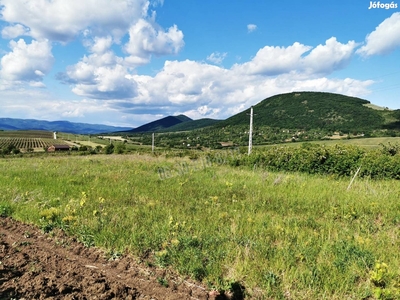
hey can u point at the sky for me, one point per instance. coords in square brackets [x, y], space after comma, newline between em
[130, 62]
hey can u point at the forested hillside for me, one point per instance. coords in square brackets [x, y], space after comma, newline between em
[312, 110]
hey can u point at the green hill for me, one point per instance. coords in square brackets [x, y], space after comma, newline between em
[191, 125]
[291, 117]
[312, 110]
[160, 124]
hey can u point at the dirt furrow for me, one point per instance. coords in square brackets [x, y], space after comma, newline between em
[34, 265]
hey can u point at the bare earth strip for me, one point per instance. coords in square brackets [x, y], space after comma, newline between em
[34, 265]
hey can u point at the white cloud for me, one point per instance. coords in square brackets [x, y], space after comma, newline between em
[384, 39]
[100, 76]
[37, 84]
[103, 75]
[216, 57]
[11, 32]
[58, 20]
[158, 3]
[46, 107]
[27, 62]
[299, 59]
[148, 39]
[272, 61]
[251, 27]
[324, 59]
[101, 45]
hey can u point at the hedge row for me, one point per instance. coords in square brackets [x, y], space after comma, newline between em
[340, 160]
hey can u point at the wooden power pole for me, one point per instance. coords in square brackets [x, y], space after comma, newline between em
[152, 143]
[251, 131]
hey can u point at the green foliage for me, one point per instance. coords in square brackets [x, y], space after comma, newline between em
[385, 286]
[109, 149]
[348, 253]
[312, 110]
[191, 125]
[339, 160]
[6, 209]
[120, 148]
[49, 219]
[10, 148]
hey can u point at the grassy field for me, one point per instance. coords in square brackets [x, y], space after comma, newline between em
[278, 235]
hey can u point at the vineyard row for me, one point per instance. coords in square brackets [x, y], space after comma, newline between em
[26, 143]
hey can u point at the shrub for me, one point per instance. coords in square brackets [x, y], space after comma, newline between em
[338, 160]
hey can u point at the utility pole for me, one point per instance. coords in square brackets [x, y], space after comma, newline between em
[251, 131]
[152, 143]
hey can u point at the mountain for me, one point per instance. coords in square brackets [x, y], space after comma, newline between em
[60, 126]
[315, 110]
[191, 125]
[161, 124]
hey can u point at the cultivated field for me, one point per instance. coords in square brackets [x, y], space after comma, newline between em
[26, 143]
[27, 134]
[25, 140]
[264, 235]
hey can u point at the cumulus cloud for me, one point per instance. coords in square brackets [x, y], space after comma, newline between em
[104, 75]
[61, 21]
[325, 59]
[148, 39]
[27, 62]
[272, 60]
[384, 39]
[299, 59]
[216, 57]
[101, 44]
[11, 32]
[251, 27]
[100, 76]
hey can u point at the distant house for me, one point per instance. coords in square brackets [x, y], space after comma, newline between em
[54, 148]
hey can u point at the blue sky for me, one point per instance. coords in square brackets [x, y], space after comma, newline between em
[129, 62]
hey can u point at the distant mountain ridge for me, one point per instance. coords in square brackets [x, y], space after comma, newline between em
[61, 126]
[161, 124]
[174, 124]
[192, 125]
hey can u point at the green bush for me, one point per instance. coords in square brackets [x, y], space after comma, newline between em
[340, 160]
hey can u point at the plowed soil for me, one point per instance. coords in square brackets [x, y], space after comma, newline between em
[34, 265]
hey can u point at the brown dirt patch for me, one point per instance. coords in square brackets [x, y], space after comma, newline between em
[34, 265]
